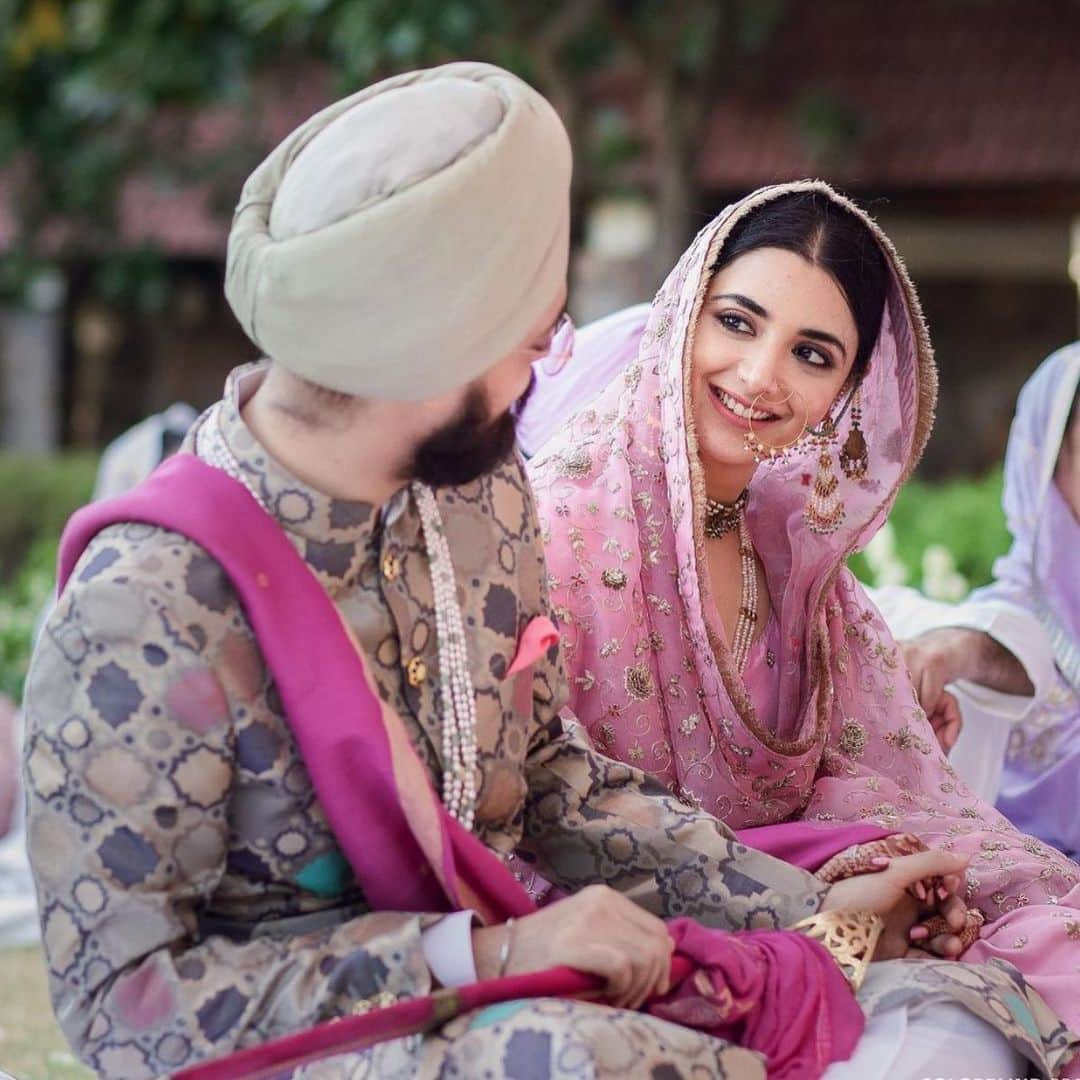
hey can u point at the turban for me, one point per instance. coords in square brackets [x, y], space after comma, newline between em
[403, 240]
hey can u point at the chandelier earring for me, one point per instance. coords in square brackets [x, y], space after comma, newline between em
[854, 458]
[824, 512]
[762, 451]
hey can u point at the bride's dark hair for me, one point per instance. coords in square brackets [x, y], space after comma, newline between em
[828, 235]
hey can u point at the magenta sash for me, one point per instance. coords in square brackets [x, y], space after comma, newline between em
[407, 852]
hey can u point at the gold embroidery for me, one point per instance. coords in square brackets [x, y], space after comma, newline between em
[639, 682]
[853, 738]
[576, 464]
[689, 724]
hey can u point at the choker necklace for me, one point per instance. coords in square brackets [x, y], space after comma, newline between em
[722, 518]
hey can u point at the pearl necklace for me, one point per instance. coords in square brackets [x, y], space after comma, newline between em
[720, 519]
[458, 694]
[748, 605]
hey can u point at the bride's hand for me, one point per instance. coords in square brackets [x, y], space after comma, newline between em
[887, 893]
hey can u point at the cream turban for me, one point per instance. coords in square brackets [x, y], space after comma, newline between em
[403, 240]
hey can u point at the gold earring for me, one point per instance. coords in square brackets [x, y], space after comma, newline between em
[854, 457]
[824, 512]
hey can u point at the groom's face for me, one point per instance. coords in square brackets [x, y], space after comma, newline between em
[480, 435]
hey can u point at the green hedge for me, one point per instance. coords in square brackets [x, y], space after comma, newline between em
[962, 516]
[37, 495]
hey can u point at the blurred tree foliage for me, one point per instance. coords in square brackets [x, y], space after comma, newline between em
[81, 79]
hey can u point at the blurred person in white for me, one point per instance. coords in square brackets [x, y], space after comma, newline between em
[997, 674]
[128, 460]
[1032, 608]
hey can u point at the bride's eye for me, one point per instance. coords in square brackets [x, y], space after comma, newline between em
[735, 323]
[814, 356]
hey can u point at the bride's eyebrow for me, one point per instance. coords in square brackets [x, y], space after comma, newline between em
[744, 301]
[752, 305]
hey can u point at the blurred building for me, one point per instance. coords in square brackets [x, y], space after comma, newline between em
[956, 121]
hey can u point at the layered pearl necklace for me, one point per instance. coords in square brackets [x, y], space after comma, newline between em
[720, 519]
[458, 695]
[748, 605]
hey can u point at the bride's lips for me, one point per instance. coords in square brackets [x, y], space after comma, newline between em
[733, 418]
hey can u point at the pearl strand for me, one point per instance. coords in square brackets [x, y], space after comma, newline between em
[459, 697]
[748, 603]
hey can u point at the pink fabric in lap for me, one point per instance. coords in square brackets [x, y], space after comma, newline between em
[621, 502]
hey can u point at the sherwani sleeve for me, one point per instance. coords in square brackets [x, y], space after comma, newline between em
[591, 819]
[131, 762]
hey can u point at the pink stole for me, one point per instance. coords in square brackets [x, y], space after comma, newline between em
[407, 852]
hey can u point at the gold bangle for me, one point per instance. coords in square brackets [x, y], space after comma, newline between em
[850, 936]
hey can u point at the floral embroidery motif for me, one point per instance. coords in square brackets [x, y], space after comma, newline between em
[639, 682]
[853, 738]
[575, 464]
[906, 739]
[614, 578]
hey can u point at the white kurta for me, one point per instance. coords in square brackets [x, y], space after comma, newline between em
[989, 715]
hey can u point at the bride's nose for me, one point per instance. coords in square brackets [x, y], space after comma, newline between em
[759, 372]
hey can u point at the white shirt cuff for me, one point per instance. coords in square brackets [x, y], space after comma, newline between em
[448, 949]
[908, 613]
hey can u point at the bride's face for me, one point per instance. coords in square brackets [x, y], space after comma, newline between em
[772, 323]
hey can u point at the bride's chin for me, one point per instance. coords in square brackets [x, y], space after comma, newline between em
[727, 456]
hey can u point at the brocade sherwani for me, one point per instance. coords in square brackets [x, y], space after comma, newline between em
[192, 895]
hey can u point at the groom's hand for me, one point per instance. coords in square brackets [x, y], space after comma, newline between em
[887, 894]
[598, 931]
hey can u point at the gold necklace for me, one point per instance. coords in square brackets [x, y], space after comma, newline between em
[722, 518]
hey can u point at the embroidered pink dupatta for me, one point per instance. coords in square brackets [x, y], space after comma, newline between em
[621, 501]
[407, 852]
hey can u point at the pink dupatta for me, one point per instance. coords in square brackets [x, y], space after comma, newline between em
[407, 852]
[621, 500]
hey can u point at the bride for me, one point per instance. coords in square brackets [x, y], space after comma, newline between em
[697, 517]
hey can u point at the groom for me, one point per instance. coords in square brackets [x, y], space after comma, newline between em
[401, 260]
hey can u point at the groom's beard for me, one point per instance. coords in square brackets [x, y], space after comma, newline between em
[469, 445]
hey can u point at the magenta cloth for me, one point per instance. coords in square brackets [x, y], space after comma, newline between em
[407, 852]
[777, 993]
[745, 992]
[809, 844]
[621, 497]
[737, 987]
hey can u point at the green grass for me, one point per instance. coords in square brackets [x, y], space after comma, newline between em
[31, 1044]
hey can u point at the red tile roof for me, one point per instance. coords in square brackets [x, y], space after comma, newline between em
[964, 93]
[944, 95]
